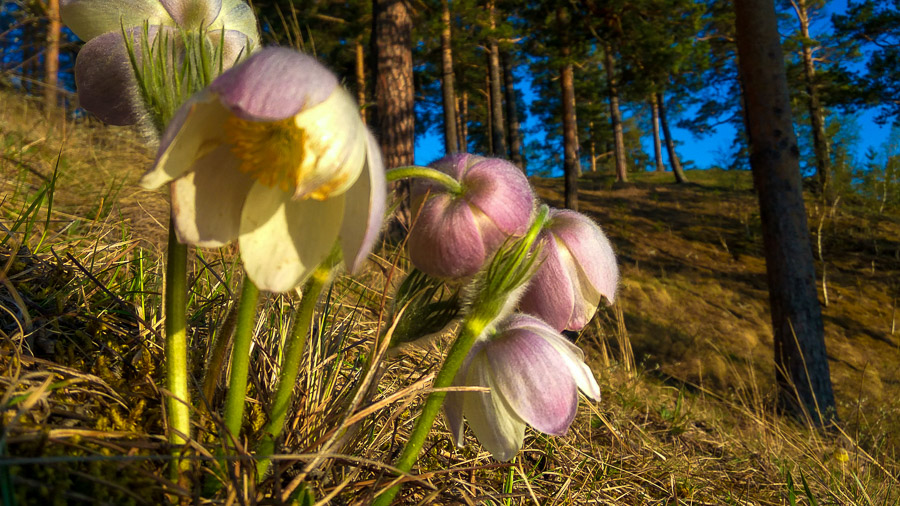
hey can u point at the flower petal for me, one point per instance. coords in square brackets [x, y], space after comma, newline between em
[195, 129]
[207, 202]
[236, 15]
[336, 145]
[105, 80]
[596, 261]
[364, 208]
[283, 240]
[444, 240]
[91, 18]
[550, 296]
[572, 354]
[193, 14]
[501, 191]
[275, 83]
[454, 401]
[237, 46]
[532, 378]
[494, 423]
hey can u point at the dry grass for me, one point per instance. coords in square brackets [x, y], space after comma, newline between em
[684, 359]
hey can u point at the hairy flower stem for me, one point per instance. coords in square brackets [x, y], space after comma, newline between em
[509, 271]
[414, 171]
[179, 401]
[240, 363]
[290, 367]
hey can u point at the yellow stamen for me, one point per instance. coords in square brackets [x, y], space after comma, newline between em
[272, 152]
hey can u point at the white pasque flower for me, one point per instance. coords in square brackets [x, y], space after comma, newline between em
[275, 155]
[104, 76]
[533, 374]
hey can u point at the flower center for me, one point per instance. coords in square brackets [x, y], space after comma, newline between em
[271, 152]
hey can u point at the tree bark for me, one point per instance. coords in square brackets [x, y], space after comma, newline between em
[498, 135]
[816, 114]
[512, 114]
[801, 362]
[657, 146]
[51, 58]
[361, 79]
[489, 112]
[464, 124]
[670, 143]
[394, 99]
[451, 138]
[567, 83]
[593, 148]
[616, 115]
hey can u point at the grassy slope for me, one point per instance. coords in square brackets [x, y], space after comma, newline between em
[684, 360]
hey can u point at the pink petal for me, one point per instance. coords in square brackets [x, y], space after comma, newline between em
[274, 83]
[444, 240]
[592, 251]
[105, 81]
[454, 401]
[502, 192]
[550, 296]
[533, 379]
[365, 207]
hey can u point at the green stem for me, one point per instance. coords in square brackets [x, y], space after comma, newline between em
[290, 367]
[425, 173]
[240, 362]
[473, 327]
[179, 400]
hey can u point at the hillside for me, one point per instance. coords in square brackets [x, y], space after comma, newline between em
[684, 359]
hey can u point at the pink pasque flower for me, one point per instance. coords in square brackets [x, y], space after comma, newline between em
[453, 236]
[578, 267]
[533, 374]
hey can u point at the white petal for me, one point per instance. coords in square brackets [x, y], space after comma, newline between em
[284, 240]
[453, 403]
[90, 18]
[364, 211]
[194, 131]
[207, 202]
[335, 144]
[495, 425]
[237, 15]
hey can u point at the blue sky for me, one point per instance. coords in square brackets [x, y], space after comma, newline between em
[705, 151]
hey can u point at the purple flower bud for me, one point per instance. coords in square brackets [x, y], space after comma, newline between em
[578, 267]
[454, 235]
[533, 374]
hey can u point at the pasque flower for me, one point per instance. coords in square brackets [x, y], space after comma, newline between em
[455, 234]
[533, 374]
[104, 76]
[578, 267]
[275, 155]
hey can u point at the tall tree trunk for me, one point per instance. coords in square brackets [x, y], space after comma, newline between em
[670, 143]
[567, 83]
[489, 114]
[657, 146]
[451, 139]
[361, 79]
[464, 123]
[816, 114]
[616, 115]
[394, 82]
[593, 148]
[512, 113]
[498, 135]
[51, 57]
[801, 363]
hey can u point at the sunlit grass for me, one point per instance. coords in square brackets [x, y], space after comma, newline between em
[684, 359]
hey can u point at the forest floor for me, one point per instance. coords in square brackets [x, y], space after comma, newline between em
[684, 358]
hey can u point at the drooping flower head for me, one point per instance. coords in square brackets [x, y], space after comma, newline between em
[275, 155]
[578, 267]
[455, 234]
[533, 374]
[104, 76]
